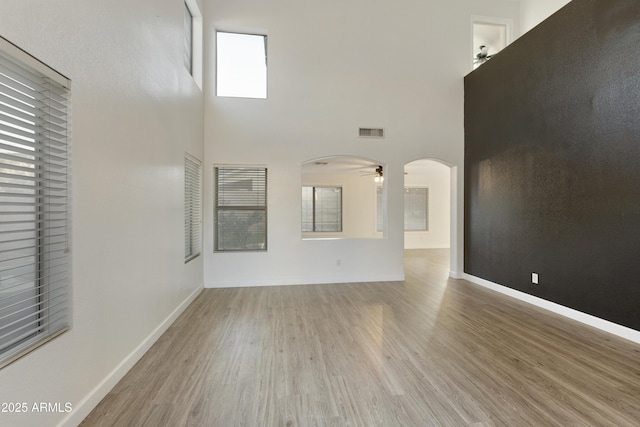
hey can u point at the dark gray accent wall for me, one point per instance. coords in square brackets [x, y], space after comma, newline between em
[552, 161]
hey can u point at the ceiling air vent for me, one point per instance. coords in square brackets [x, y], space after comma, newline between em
[371, 132]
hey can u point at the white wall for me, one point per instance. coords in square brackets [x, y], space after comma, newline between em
[533, 12]
[335, 66]
[436, 177]
[135, 112]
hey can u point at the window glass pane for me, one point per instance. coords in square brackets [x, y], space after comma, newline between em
[241, 209]
[416, 209]
[241, 65]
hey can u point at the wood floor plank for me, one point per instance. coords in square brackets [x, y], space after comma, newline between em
[428, 351]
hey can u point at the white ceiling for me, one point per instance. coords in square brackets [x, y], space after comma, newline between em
[356, 165]
[339, 165]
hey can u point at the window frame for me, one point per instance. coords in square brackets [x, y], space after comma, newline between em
[35, 162]
[261, 175]
[314, 212]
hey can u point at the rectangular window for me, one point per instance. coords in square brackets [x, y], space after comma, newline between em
[34, 203]
[416, 209]
[241, 69]
[192, 207]
[240, 209]
[321, 209]
[188, 39]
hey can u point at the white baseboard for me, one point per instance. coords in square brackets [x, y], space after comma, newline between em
[91, 400]
[306, 281]
[596, 322]
[454, 274]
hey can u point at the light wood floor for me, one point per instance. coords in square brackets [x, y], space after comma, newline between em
[425, 352]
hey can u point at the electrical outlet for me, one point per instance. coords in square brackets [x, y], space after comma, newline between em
[534, 278]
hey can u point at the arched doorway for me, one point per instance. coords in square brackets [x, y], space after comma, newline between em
[430, 213]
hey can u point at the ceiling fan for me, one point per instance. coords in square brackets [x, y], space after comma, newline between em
[377, 174]
[483, 56]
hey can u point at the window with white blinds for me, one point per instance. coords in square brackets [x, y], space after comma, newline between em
[240, 209]
[188, 39]
[192, 207]
[35, 300]
[416, 209]
[321, 209]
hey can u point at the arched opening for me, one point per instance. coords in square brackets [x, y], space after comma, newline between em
[430, 217]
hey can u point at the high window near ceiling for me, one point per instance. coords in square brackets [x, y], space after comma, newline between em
[35, 278]
[192, 40]
[188, 39]
[241, 65]
[490, 36]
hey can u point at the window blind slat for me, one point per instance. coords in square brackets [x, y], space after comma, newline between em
[54, 182]
[33, 116]
[44, 150]
[28, 308]
[27, 276]
[10, 76]
[28, 77]
[28, 302]
[34, 125]
[29, 328]
[17, 162]
[33, 100]
[16, 108]
[33, 94]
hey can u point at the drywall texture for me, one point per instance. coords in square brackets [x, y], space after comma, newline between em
[136, 110]
[552, 183]
[335, 66]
